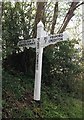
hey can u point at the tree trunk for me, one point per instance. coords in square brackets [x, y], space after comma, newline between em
[40, 15]
[55, 15]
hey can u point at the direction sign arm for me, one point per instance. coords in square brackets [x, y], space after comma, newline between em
[53, 39]
[65, 36]
[27, 43]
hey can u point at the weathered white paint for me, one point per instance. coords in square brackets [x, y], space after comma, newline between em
[39, 51]
[43, 40]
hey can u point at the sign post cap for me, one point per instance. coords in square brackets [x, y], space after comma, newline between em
[40, 24]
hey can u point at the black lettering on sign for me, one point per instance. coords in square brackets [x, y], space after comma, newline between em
[45, 39]
[61, 38]
[26, 42]
[55, 38]
[38, 43]
[60, 35]
[37, 57]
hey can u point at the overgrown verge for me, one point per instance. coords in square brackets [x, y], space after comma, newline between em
[18, 99]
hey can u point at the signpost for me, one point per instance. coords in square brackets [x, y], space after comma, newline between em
[43, 40]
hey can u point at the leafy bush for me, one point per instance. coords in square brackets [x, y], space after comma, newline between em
[62, 67]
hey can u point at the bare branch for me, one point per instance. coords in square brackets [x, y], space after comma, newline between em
[79, 4]
[55, 15]
[68, 16]
[39, 15]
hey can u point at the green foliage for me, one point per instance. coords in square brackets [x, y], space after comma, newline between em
[18, 100]
[61, 62]
[16, 24]
[62, 67]
[20, 83]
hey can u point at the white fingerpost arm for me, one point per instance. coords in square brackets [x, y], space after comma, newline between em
[53, 39]
[27, 43]
[39, 52]
[65, 36]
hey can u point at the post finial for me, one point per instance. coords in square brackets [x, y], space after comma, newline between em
[40, 24]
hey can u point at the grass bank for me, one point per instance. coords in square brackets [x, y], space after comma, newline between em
[18, 100]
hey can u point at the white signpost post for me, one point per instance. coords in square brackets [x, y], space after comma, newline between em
[42, 41]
